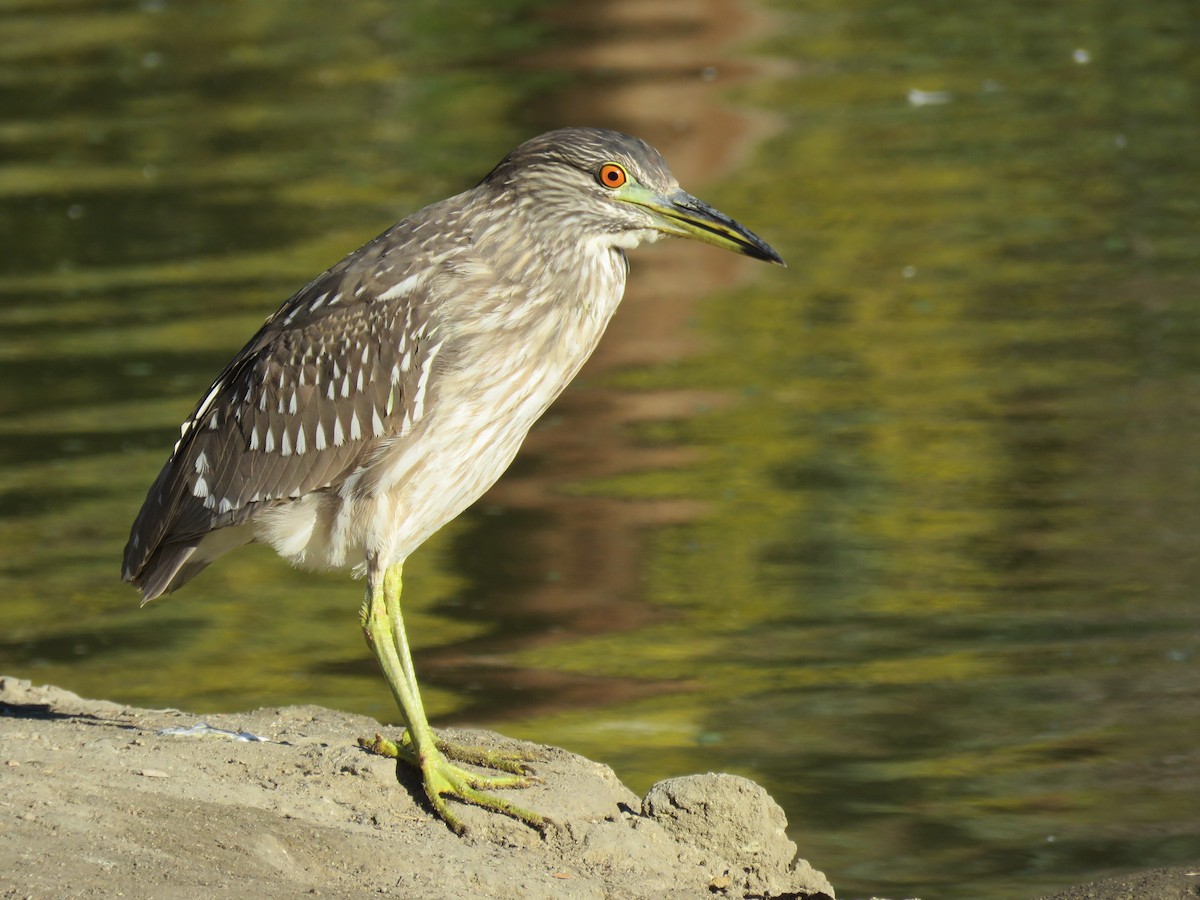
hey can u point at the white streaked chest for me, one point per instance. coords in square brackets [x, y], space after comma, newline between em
[482, 405]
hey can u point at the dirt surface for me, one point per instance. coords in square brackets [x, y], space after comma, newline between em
[1154, 884]
[94, 801]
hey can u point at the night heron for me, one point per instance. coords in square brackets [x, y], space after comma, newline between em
[389, 393]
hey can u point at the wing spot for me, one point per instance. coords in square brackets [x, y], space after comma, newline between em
[402, 287]
[423, 383]
[183, 433]
[208, 399]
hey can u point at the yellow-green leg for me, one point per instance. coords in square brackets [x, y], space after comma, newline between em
[384, 629]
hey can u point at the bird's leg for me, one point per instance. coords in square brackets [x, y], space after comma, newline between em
[384, 630]
[491, 759]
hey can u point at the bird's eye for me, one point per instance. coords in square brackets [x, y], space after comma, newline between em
[611, 175]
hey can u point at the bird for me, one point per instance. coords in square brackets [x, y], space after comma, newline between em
[389, 393]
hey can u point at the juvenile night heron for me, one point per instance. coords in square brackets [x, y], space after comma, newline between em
[389, 393]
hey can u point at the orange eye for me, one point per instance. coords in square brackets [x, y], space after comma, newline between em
[611, 175]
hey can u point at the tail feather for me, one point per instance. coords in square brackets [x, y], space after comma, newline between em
[161, 573]
[175, 563]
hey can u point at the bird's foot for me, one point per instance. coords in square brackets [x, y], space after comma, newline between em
[443, 778]
[467, 753]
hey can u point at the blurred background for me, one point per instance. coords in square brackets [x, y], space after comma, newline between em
[906, 532]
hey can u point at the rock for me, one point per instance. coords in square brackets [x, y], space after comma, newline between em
[741, 832]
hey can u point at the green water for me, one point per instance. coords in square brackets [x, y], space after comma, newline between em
[912, 536]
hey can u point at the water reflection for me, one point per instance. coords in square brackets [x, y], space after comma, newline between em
[906, 532]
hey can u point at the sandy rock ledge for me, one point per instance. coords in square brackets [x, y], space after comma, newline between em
[95, 801]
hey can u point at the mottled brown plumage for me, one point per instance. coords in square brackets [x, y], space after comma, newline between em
[390, 392]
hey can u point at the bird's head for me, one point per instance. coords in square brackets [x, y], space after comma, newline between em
[615, 188]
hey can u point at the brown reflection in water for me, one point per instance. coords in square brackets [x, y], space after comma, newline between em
[662, 71]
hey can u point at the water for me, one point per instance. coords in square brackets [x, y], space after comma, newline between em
[906, 532]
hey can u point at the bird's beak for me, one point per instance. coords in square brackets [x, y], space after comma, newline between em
[682, 214]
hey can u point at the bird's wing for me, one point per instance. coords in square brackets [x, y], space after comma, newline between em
[341, 366]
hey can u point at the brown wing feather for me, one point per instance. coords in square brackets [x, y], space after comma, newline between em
[297, 410]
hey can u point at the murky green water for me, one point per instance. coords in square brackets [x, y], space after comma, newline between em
[907, 532]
